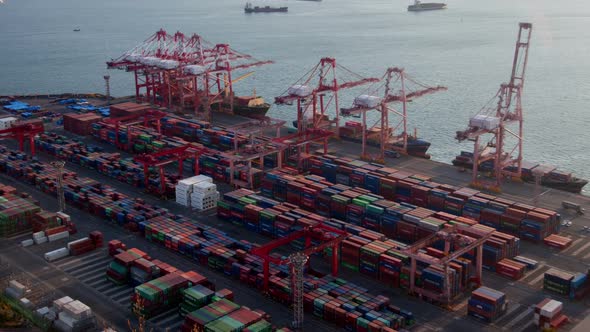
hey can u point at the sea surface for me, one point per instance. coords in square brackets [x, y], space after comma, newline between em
[468, 48]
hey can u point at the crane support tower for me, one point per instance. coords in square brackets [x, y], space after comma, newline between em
[61, 200]
[390, 137]
[297, 261]
[502, 121]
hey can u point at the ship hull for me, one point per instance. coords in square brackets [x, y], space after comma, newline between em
[243, 110]
[416, 148]
[426, 7]
[265, 10]
[574, 185]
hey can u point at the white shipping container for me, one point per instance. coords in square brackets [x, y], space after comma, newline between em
[58, 236]
[27, 243]
[367, 101]
[39, 234]
[194, 69]
[551, 309]
[40, 240]
[300, 90]
[77, 310]
[57, 254]
[59, 304]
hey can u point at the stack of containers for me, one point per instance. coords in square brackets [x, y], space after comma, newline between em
[204, 195]
[237, 320]
[16, 213]
[129, 108]
[118, 270]
[580, 286]
[81, 246]
[556, 241]
[558, 281]
[158, 295]
[142, 271]
[486, 304]
[80, 124]
[73, 316]
[194, 298]
[185, 188]
[206, 245]
[519, 219]
[511, 269]
[196, 320]
[7, 122]
[548, 315]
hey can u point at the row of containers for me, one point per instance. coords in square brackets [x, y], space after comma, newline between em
[159, 287]
[412, 190]
[210, 247]
[573, 285]
[131, 172]
[19, 213]
[510, 217]
[369, 252]
[486, 304]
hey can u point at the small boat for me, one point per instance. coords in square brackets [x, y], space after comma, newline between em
[266, 9]
[418, 6]
[77, 30]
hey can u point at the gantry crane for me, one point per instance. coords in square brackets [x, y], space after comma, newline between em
[505, 146]
[389, 137]
[175, 71]
[132, 119]
[449, 236]
[164, 157]
[316, 104]
[20, 131]
[329, 237]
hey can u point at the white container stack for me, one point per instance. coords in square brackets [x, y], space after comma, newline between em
[204, 196]
[199, 185]
[7, 122]
[73, 315]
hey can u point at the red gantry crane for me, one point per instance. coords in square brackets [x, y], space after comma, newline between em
[505, 146]
[178, 72]
[133, 119]
[316, 104]
[388, 137]
[164, 157]
[327, 236]
[20, 131]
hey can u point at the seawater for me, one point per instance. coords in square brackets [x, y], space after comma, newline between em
[468, 48]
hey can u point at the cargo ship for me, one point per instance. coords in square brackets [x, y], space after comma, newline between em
[248, 106]
[419, 6]
[266, 9]
[550, 175]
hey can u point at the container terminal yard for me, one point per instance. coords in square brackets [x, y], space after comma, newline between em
[284, 229]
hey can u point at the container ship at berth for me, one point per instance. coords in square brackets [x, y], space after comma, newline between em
[550, 175]
[266, 9]
[419, 6]
[248, 106]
